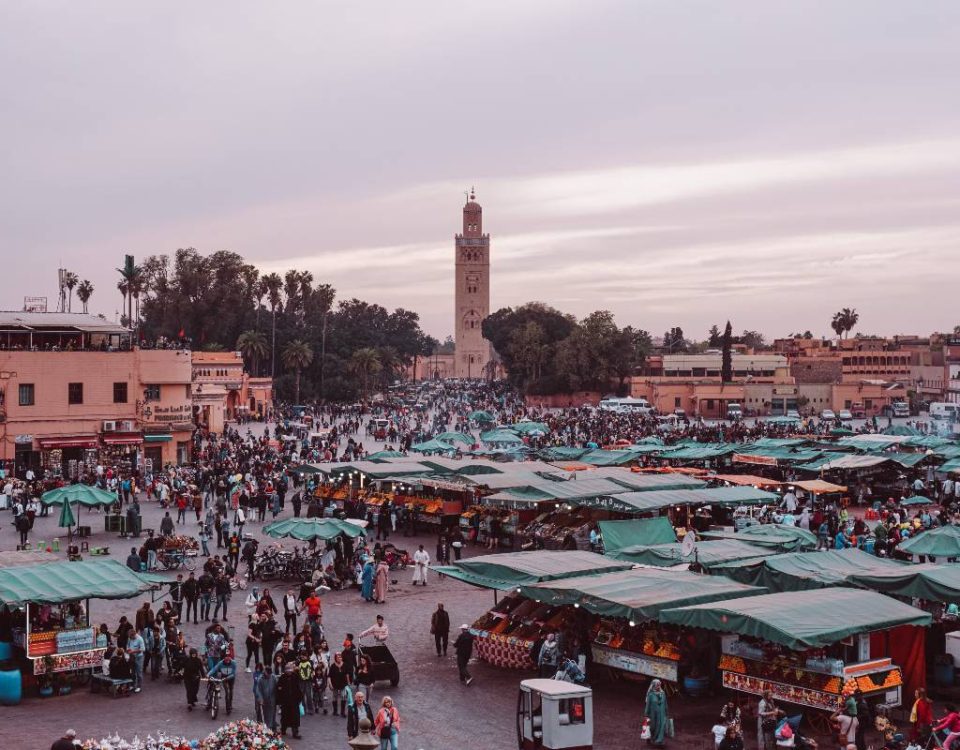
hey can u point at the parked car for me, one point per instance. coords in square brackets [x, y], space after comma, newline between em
[793, 414]
[734, 411]
[827, 414]
[845, 415]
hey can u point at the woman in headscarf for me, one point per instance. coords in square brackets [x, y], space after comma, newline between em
[366, 580]
[380, 582]
[655, 711]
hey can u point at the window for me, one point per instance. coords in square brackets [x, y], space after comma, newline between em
[186, 389]
[676, 402]
[26, 394]
[151, 393]
[119, 393]
[75, 393]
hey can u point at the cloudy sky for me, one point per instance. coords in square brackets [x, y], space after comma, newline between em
[675, 162]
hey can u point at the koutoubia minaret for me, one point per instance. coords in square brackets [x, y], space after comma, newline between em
[472, 297]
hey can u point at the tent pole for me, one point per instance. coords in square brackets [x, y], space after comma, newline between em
[495, 597]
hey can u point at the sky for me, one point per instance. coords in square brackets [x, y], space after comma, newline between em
[675, 162]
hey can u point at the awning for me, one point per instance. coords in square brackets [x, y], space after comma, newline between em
[777, 536]
[159, 438]
[942, 542]
[747, 480]
[68, 441]
[620, 534]
[512, 569]
[637, 595]
[648, 502]
[937, 583]
[819, 487]
[123, 439]
[801, 619]
[310, 529]
[709, 553]
[53, 583]
[800, 571]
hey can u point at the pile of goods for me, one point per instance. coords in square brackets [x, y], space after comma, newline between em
[561, 529]
[180, 543]
[650, 641]
[237, 735]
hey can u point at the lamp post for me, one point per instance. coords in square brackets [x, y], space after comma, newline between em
[364, 740]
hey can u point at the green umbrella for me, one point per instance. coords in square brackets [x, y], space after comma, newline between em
[480, 416]
[82, 494]
[529, 428]
[66, 517]
[433, 446]
[308, 529]
[916, 500]
[451, 437]
[380, 455]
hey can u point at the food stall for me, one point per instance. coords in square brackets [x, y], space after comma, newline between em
[50, 606]
[505, 634]
[811, 648]
[626, 635]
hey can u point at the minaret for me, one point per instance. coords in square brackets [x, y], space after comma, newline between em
[472, 295]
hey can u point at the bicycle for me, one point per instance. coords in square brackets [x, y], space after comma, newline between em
[214, 688]
[175, 559]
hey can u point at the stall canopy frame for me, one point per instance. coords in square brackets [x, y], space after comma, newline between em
[59, 582]
[511, 569]
[709, 553]
[800, 620]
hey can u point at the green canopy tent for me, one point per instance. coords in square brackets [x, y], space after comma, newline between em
[709, 553]
[799, 571]
[917, 500]
[777, 536]
[800, 620]
[500, 437]
[942, 542]
[600, 457]
[529, 428]
[481, 416]
[310, 529]
[933, 582]
[562, 453]
[81, 494]
[636, 595]
[58, 582]
[433, 446]
[902, 430]
[512, 569]
[308, 469]
[381, 455]
[655, 500]
[455, 437]
[636, 531]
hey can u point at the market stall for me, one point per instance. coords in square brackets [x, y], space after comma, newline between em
[626, 635]
[703, 554]
[775, 536]
[812, 647]
[51, 612]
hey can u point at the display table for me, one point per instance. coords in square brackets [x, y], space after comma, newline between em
[503, 650]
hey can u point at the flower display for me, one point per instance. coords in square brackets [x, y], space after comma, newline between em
[237, 735]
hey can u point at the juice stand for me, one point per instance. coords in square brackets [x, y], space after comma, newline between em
[554, 715]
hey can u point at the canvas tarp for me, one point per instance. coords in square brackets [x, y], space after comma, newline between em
[637, 595]
[775, 536]
[942, 542]
[655, 500]
[636, 531]
[308, 529]
[800, 620]
[512, 569]
[562, 453]
[848, 461]
[577, 491]
[82, 494]
[708, 553]
[601, 457]
[800, 571]
[819, 487]
[934, 582]
[700, 451]
[54, 583]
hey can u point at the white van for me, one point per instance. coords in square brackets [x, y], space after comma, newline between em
[627, 405]
[944, 410]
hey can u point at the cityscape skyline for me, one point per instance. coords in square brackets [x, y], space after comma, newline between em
[676, 165]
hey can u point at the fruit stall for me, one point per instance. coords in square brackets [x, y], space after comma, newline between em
[812, 648]
[50, 610]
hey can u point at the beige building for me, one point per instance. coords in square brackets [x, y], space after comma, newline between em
[222, 391]
[472, 296]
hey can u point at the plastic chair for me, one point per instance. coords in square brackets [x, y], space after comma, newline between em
[56, 544]
[41, 545]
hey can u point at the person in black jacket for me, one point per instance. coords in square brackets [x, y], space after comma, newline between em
[191, 592]
[357, 711]
[440, 627]
[464, 648]
[289, 696]
[193, 670]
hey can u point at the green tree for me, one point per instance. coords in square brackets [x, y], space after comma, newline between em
[297, 355]
[674, 341]
[253, 346]
[753, 339]
[365, 363]
[84, 293]
[726, 363]
[273, 284]
[502, 326]
[845, 321]
[70, 280]
[714, 337]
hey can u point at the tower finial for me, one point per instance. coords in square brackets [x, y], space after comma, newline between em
[473, 193]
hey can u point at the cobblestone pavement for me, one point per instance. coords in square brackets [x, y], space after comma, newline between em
[437, 712]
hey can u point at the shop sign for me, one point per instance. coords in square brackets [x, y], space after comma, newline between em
[630, 661]
[23, 439]
[176, 413]
[748, 458]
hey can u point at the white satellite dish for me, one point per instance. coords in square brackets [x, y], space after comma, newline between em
[689, 545]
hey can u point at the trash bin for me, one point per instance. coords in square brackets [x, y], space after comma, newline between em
[11, 687]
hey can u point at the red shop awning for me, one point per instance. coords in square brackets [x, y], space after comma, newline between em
[123, 439]
[68, 441]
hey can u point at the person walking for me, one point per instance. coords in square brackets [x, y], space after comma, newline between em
[421, 559]
[655, 711]
[387, 724]
[289, 696]
[440, 629]
[222, 588]
[206, 586]
[136, 648]
[290, 609]
[463, 647]
[193, 672]
[380, 581]
[766, 721]
[191, 593]
[305, 673]
[366, 580]
[339, 676]
[359, 710]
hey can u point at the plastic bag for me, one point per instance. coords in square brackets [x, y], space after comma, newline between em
[645, 730]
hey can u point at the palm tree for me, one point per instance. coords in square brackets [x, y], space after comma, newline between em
[273, 284]
[296, 356]
[845, 321]
[124, 288]
[70, 280]
[365, 363]
[323, 296]
[291, 288]
[84, 293]
[259, 290]
[390, 361]
[133, 282]
[253, 346]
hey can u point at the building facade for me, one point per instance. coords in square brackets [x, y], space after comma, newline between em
[223, 391]
[473, 356]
